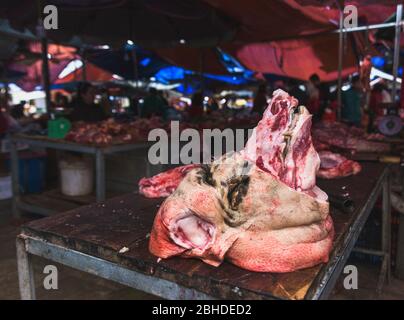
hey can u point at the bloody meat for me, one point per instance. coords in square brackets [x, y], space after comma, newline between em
[334, 165]
[259, 208]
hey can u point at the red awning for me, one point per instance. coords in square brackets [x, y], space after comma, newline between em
[299, 58]
[263, 20]
[60, 57]
[93, 73]
[289, 38]
[369, 11]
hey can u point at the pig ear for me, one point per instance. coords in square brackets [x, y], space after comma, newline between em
[217, 253]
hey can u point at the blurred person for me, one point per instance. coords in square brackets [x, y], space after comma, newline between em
[163, 97]
[153, 105]
[376, 100]
[11, 124]
[280, 84]
[85, 109]
[260, 100]
[105, 102]
[212, 105]
[297, 92]
[17, 111]
[313, 92]
[329, 113]
[351, 103]
[195, 110]
[4, 114]
[325, 98]
[134, 105]
[61, 101]
[379, 97]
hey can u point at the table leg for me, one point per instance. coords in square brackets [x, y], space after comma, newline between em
[402, 180]
[14, 178]
[100, 175]
[386, 235]
[25, 271]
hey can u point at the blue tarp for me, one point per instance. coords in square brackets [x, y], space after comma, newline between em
[192, 82]
[120, 62]
[151, 66]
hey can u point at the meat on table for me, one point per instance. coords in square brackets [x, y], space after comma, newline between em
[259, 208]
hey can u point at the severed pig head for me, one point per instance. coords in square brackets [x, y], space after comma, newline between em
[259, 208]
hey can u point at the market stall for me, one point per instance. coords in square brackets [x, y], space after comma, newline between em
[53, 201]
[115, 248]
[307, 179]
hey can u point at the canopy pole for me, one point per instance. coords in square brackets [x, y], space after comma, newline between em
[396, 59]
[202, 67]
[340, 62]
[45, 59]
[135, 69]
[45, 73]
[368, 27]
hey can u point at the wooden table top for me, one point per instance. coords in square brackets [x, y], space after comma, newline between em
[101, 230]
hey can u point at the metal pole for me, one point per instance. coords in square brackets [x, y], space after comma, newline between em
[386, 233]
[99, 175]
[135, 69]
[396, 61]
[202, 67]
[368, 27]
[15, 184]
[25, 271]
[45, 73]
[340, 62]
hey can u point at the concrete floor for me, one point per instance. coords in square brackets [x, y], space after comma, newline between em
[74, 284]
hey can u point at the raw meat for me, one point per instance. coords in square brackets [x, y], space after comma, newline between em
[344, 137]
[281, 143]
[334, 165]
[111, 131]
[165, 183]
[260, 208]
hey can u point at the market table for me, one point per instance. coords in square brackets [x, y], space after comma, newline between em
[40, 203]
[111, 240]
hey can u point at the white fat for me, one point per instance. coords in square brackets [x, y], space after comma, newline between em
[320, 195]
[192, 232]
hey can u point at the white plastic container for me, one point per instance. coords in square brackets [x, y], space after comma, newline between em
[5, 188]
[76, 177]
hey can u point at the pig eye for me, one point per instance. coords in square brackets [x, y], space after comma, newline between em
[237, 189]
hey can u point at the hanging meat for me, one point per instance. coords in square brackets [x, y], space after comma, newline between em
[334, 165]
[260, 208]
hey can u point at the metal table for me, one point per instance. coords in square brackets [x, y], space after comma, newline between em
[90, 239]
[99, 152]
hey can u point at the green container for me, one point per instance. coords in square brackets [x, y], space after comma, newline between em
[58, 128]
